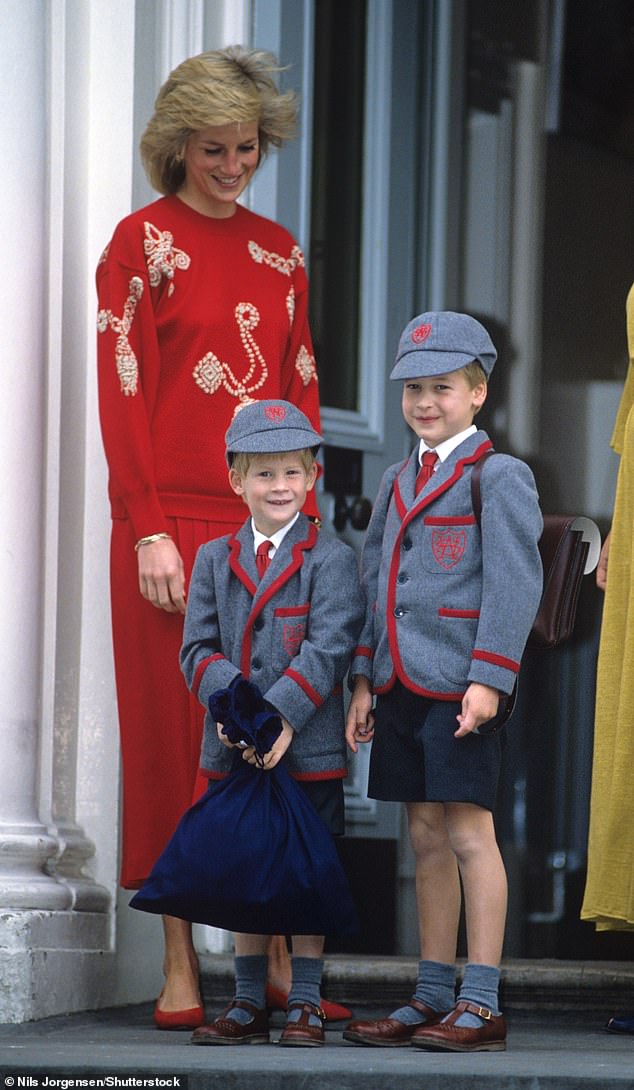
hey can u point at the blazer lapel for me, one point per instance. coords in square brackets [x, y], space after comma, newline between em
[448, 471]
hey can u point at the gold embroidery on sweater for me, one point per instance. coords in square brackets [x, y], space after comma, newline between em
[126, 361]
[104, 255]
[285, 265]
[210, 373]
[305, 364]
[162, 257]
[290, 304]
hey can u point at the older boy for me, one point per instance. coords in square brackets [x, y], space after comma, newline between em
[450, 606]
[281, 604]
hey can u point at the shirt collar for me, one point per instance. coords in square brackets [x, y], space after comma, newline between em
[277, 538]
[444, 449]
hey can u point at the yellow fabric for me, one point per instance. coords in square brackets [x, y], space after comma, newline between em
[609, 894]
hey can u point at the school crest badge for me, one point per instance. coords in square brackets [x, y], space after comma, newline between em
[421, 333]
[448, 546]
[292, 637]
[275, 412]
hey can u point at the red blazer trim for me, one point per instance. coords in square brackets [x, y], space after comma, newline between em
[398, 499]
[295, 564]
[459, 613]
[200, 669]
[235, 549]
[292, 611]
[414, 512]
[311, 693]
[364, 652]
[496, 660]
[418, 689]
[449, 520]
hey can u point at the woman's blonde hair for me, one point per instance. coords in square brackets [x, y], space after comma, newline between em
[222, 87]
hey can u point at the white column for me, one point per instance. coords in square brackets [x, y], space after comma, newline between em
[24, 843]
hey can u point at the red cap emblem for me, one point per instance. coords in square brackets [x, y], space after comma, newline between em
[421, 333]
[275, 412]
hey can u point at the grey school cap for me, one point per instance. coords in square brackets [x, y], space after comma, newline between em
[270, 427]
[442, 341]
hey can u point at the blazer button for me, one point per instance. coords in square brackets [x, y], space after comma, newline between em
[256, 664]
[258, 624]
[399, 611]
[402, 577]
[407, 543]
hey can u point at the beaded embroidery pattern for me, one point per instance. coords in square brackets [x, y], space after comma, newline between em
[210, 373]
[125, 359]
[161, 256]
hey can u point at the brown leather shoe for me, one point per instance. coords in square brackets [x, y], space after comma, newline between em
[389, 1032]
[224, 1031]
[300, 1033]
[448, 1037]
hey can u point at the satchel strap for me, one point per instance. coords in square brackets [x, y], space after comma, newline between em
[476, 492]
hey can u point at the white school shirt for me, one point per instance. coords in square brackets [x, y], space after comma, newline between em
[444, 449]
[276, 539]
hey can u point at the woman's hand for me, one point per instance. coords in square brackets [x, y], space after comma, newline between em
[360, 720]
[479, 704]
[162, 575]
[602, 566]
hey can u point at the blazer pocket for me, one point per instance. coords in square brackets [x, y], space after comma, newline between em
[450, 544]
[457, 630]
[289, 629]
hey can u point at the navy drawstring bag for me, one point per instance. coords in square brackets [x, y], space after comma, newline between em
[252, 854]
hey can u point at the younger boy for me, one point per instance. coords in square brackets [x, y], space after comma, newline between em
[450, 606]
[279, 603]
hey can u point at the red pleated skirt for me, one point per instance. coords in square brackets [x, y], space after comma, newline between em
[160, 722]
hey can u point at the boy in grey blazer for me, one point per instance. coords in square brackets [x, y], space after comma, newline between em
[279, 603]
[450, 605]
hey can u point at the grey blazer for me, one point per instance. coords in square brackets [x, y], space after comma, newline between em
[449, 603]
[292, 634]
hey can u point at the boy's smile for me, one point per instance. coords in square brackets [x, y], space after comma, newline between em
[442, 406]
[274, 489]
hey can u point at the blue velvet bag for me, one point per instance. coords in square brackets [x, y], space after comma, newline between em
[252, 854]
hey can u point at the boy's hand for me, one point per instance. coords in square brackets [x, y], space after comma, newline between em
[276, 752]
[360, 720]
[479, 704]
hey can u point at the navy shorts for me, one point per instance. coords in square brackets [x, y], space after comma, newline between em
[415, 757]
[327, 798]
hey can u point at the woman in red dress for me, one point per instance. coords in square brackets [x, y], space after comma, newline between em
[202, 309]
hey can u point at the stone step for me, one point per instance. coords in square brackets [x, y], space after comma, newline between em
[119, 1048]
[526, 985]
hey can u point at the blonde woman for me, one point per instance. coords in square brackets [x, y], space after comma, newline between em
[202, 309]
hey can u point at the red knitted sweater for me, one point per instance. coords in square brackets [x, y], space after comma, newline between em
[196, 317]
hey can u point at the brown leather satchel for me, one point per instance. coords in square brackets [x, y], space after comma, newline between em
[569, 548]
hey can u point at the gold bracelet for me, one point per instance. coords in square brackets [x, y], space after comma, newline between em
[150, 540]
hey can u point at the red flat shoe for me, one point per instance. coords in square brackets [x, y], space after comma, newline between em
[277, 1000]
[189, 1019]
